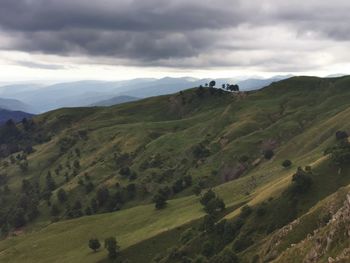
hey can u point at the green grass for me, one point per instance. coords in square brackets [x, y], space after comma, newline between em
[299, 116]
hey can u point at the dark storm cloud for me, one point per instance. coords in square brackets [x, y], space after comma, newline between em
[172, 33]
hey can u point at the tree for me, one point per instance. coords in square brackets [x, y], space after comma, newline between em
[233, 88]
[214, 205]
[125, 171]
[178, 186]
[212, 84]
[62, 195]
[340, 135]
[268, 154]
[50, 182]
[102, 195]
[286, 163]
[301, 181]
[94, 244]
[17, 219]
[340, 154]
[94, 205]
[76, 164]
[112, 247]
[89, 187]
[207, 197]
[160, 201]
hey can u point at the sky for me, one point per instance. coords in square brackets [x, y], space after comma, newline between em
[125, 39]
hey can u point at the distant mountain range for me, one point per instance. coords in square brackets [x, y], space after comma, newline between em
[15, 105]
[40, 98]
[16, 116]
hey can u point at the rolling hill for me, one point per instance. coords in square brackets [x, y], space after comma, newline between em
[16, 116]
[43, 98]
[114, 101]
[78, 173]
[15, 105]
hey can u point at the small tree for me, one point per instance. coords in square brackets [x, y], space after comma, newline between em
[341, 135]
[159, 201]
[212, 84]
[112, 247]
[268, 154]
[102, 195]
[94, 244]
[286, 163]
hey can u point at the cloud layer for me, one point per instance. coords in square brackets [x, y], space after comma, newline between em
[266, 34]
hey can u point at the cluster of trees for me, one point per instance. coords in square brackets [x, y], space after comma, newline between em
[228, 87]
[17, 213]
[110, 244]
[212, 203]
[15, 138]
[340, 153]
[200, 151]
[301, 180]
[163, 194]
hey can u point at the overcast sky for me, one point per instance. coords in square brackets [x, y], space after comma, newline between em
[122, 39]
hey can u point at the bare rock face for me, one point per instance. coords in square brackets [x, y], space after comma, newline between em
[337, 229]
[271, 251]
[322, 245]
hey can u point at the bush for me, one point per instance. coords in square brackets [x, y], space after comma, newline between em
[268, 154]
[200, 151]
[286, 163]
[112, 247]
[341, 135]
[94, 244]
[160, 201]
[62, 195]
[102, 196]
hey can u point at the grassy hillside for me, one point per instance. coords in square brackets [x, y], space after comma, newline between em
[197, 138]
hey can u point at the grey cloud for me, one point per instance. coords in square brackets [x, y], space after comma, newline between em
[176, 33]
[29, 64]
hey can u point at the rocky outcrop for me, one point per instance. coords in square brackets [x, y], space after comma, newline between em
[336, 231]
